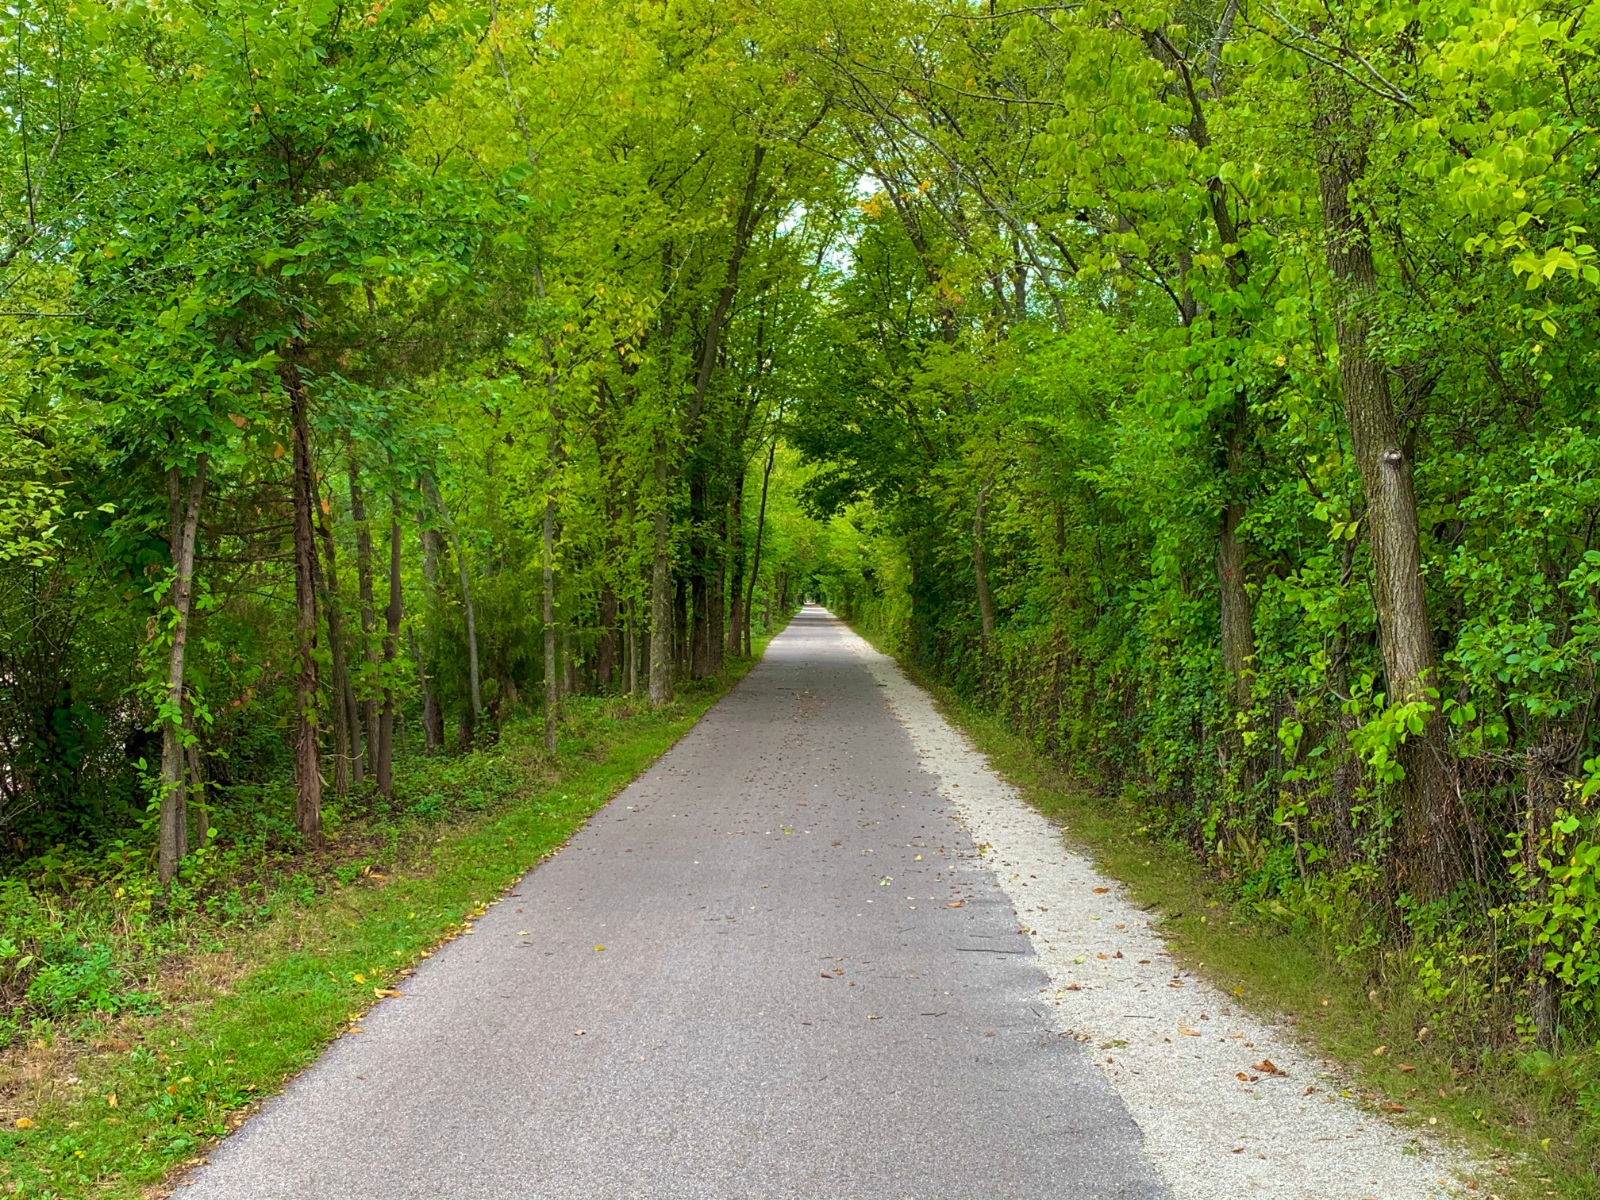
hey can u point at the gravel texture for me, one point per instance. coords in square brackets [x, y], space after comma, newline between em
[1172, 1046]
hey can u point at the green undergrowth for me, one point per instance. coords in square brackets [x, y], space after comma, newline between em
[156, 1034]
[1522, 1128]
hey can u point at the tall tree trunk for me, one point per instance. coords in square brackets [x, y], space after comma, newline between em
[755, 564]
[680, 622]
[661, 584]
[307, 746]
[717, 618]
[433, 739]
[369, 619]
[432, 713]
[473, 679]
[630, 646]
[735, 641]
[393, 614]
[1238, 632]
[183, 524]
[1431, 861]
[552, 676]
[605, 651]
[431, 492]
[699, 577]
[346, 723]
[197, 790]
[980, 567]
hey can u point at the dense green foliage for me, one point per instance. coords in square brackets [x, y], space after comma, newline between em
[1220, 409]
[1208, 388]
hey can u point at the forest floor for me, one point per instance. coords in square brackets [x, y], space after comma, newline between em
[1520, 1136]
[271, 961]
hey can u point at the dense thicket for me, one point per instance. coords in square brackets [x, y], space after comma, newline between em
[1220, 408]
[1209, 387]
[373, 371]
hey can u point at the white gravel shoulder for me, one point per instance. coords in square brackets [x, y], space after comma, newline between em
[1173, 1046]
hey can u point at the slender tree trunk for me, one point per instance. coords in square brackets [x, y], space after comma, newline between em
[432, 713]
[1238, 632]
[661, 585]
[369, 620]
[346, 724]
[755, 564]
[431, 492]
[717, 617]
[552, 676]
[699, 578]
[630, 646]
[472, 632]
[307, 749]
[384, 773]
[680, 621]
[1431, 861]
[430, 703]
[197, 791]
[605, 651]
[183, 530]
[736, 557]
[1347, 769]
[1238, 638]
[980, 568]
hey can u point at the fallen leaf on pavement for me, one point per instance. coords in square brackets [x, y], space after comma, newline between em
[1267, 1067]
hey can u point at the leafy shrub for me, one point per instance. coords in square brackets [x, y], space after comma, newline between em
[87, 981]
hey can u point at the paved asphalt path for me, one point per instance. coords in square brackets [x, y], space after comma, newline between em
[789, 1003]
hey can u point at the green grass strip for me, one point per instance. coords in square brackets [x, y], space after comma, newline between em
[139, 1110]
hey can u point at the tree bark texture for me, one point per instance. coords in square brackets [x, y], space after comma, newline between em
[307, 746]
[661, 665]
[755, 558]
[735, 634]
[432, 712]
[369, 619]
[346, 721]
[552, 672]
[182, 530]
[1431, 861]
[393, 614]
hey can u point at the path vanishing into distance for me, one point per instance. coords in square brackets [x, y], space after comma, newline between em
[818, 950]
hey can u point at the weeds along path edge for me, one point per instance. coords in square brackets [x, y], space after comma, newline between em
[148, 1100]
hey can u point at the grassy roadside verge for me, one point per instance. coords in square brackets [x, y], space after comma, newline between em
[1522, 1131]
[109, 1107]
